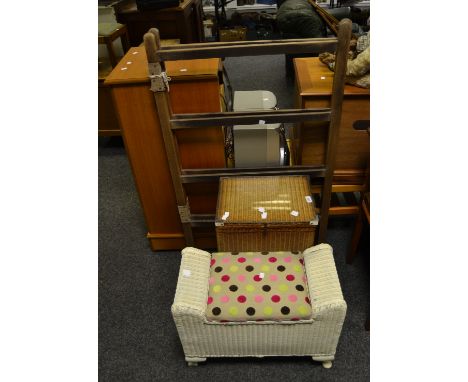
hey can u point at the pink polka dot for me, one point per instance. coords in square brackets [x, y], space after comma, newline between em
[275, 298]
[241, 278]
[273, 277]
[290, 277]
[258, 298]
[225, 278]
[242, 299]
[224, 299]
[226, 260]
[304, 279]
[241, 259]
[272, 259]
[212, 262]
[292, 298]
[211, 280]
[288, 259]
[210, 300]
[257, 259]
[257, 278]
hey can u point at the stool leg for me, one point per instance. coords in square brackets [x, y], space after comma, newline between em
[110, 50]
[125, 42]
[355, 238]
[193, 361]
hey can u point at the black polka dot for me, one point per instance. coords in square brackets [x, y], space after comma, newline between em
[295, 253]
[281, 268]
[285, 310]
[265, 253]
[233, 288]
[216, 311]
[299, 288]
[250, 311]
[234, 253]
[249, 268]
[266, 288]
[218, 269]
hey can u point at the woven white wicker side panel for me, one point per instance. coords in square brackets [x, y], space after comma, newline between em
[192, 284]
[322, 278]
[208, 340]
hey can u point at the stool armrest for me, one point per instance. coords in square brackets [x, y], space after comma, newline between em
[192, 284]
[324, 285]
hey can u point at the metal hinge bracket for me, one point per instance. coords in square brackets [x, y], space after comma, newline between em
[184, 213]
[159, 79]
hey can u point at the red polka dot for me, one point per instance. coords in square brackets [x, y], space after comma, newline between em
[241, 259]
[301, 261]
[212, 262]
[225, 278]
[275, 298]
[257, 278]
[295, 319]
[272, 259]
[307, 300]
[210, 300]
[242, 298]
[290, 277]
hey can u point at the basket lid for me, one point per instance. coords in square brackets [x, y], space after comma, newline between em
[265, 199]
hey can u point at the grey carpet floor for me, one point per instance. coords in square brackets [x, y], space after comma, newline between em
[137, 337]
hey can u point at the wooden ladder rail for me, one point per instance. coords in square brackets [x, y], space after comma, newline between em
[169, 123]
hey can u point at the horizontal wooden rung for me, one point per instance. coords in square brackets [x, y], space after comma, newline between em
[190, 121]
[246, 43]
[238, 49]
[209, 175]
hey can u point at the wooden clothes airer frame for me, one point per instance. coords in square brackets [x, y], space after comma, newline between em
[169, 122]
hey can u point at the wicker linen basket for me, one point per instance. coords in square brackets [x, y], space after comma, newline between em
[274, 213]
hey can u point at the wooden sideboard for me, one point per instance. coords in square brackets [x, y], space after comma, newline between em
[194, 86]
[313, 89]
[184, 22]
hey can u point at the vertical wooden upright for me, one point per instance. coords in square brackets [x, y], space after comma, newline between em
[160, 87]
[344, 33]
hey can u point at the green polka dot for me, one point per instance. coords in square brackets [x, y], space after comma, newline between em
[298, 268]
[233, 311]
[303, 309]
[283, 287]
[249, 288]
[268, 310]
[233, 268]
[265, 268]
[217, 288]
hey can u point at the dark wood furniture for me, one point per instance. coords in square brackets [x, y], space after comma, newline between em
[194, 86]
[313, 89]
[184, 22]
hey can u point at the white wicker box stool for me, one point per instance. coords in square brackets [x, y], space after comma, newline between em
[257, 304]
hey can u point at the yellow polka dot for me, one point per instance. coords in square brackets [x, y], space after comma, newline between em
[233, 311]
[283, 287]
[265, 268]
[297, 268]
[303, 309]
[233, 268]
[249, 288]
[217, 288]
[268, 310]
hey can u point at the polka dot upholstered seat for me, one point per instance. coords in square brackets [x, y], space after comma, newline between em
[258, 286]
